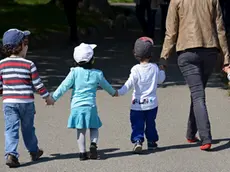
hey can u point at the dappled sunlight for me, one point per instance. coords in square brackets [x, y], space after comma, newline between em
[31, 56]
[103, 58]
[108, 38]
[114, 58]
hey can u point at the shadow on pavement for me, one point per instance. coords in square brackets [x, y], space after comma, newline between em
[122, 154]
[58, 156]
[106, 153]
[221, 147]
[184, 146]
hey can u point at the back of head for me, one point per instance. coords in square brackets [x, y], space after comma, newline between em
[143, 48]
[12, 42]
[83, 55]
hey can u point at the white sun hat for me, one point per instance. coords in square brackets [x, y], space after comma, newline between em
[83, 52]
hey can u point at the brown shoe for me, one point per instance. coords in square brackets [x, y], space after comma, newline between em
[36, 155]
[12, 161]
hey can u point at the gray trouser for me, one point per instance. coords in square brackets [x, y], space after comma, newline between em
[196, 66]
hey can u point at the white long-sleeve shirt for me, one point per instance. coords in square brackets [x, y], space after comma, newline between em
[144, 78]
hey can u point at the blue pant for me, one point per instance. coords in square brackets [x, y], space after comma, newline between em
[143, 122]
[14, 114]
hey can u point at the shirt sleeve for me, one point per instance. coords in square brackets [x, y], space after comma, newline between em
[161, 76]
[221, 33]
[172, 24]
[37, 82]
[1, 87]
[128, 84]
[103, 83]
[64, 86]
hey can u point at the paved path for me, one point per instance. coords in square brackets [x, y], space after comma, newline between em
[114, 56]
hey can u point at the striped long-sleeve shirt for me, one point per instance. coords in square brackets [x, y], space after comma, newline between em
[18, 80]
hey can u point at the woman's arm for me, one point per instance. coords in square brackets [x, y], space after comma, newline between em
[172, 27]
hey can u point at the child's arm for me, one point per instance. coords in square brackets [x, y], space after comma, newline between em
[106, 86]
[64, 86]
[1, 85]
[161, 76]
[128, 84]
[37, 82]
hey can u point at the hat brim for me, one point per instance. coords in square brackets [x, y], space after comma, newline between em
[93, 46]
[26, 32]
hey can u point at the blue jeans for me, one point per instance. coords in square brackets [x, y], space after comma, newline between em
[14, 113]
[143, 122]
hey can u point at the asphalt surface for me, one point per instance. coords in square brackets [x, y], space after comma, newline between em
[114, 57]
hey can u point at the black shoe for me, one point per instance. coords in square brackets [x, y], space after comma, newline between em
[93, 151]
[83, 156]
[12, 161]
[36, 155]
[137, 147]
[152, 145]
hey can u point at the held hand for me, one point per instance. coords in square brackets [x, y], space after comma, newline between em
[49, 101]
[116, 94]
[226, 69]
[161, 67]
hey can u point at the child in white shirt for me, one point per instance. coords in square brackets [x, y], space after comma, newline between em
[144, 78]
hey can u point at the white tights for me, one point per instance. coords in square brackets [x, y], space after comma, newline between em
[81, 137]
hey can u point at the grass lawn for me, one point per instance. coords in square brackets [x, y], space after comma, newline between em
[45, 1]
[33, 2]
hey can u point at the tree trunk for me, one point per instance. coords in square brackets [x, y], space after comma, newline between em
[95, 5]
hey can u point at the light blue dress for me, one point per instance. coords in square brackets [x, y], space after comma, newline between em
[84, 84]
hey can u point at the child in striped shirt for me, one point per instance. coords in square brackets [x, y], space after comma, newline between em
[18, 78]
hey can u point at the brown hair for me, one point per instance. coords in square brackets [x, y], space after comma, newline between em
[141, 59]
[8, 50]
[85, 65]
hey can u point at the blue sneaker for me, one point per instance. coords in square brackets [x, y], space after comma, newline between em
[137, 147]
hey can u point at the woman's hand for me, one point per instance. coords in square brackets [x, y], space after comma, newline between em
[226, 69]
[116, 94]
[162, 67]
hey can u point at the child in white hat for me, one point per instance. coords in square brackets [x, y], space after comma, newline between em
[84, 81]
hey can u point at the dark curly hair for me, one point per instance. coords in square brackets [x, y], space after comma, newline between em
[85, 65]
[8, 50]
